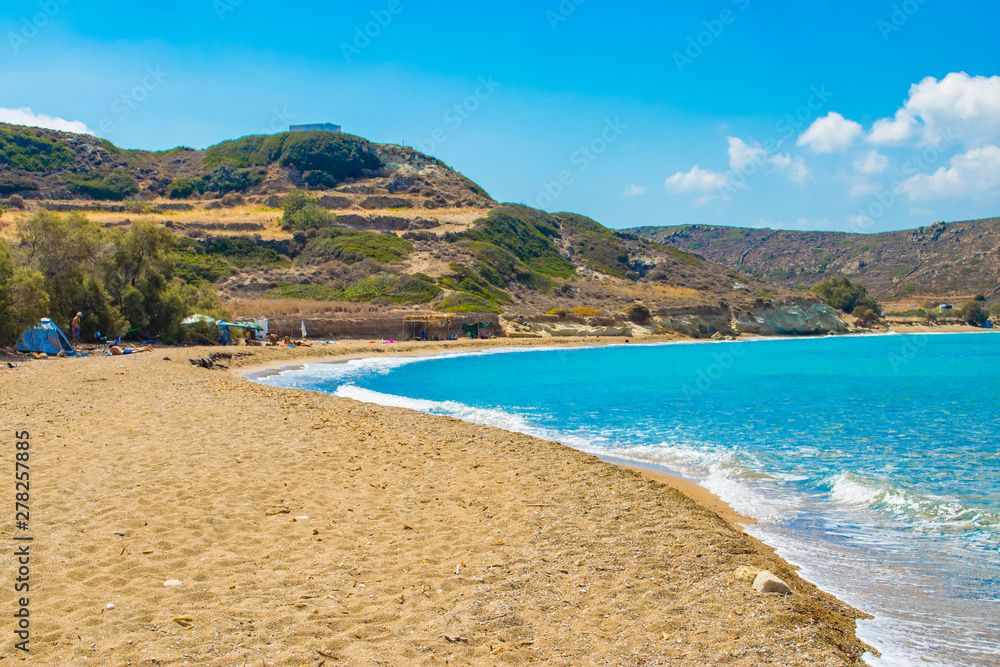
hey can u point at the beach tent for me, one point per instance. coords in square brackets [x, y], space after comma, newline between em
[46, 336]
[473, 329]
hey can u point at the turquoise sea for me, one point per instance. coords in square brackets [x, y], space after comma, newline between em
[871, 462]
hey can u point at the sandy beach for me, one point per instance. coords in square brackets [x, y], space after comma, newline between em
[311, 530]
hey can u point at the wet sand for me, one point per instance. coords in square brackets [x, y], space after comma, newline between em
[312, 530]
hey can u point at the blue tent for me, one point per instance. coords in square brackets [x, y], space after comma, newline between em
[46, 336]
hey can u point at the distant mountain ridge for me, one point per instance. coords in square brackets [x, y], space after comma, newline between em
[940, 260]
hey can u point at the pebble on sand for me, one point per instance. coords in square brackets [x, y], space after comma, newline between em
[172, 583]
[767, 582]
[109, 606]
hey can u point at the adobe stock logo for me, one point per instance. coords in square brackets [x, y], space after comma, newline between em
[128, 102]
[582, 159]
[714, 28]
[31, 25]
[458, 113]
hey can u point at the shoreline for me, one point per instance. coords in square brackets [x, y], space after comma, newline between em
[306, 527]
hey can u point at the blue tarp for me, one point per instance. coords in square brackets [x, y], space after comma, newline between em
[46, 336]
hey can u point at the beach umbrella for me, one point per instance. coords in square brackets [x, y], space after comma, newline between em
[252, 325]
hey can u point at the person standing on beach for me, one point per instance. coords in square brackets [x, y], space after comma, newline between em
[75, 330]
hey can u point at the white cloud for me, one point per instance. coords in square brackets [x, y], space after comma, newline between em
[969, 105]
[741, 153]
[893, 131]
[871, 162]
[976, 171]
[25, 116]
[795, 168]
[864, 188]
[696, 180]
[830, 134]
[634, 191]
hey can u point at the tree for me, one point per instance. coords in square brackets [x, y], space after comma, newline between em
[841, 294]
[139, 281]
[973, 313]
[303, 212]
[23, 300]
[68, 252]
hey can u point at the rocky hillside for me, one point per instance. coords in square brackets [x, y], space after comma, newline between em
[349, 226]
[957, 259]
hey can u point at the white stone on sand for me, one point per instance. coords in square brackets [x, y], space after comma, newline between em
[172, 583]
[767, 582]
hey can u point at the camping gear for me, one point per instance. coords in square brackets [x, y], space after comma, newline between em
[47, 337]
[194, 319]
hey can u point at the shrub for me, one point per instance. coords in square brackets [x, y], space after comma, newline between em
[325, 157]
[181, 188]
[841, 294]
[135, 206]
[307, 292]
[114, 185]
[11, 184]
[558, 312]
[637, 312]
[15, 201]
[23, 299]
[302, 211]
[413, 289]
[465, 303]
[196, 267]
[527, 235]
[349, 246]
[585, 311]
[28, 149]
[242, 252]
[973, 313]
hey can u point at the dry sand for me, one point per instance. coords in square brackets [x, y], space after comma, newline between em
[312, 530]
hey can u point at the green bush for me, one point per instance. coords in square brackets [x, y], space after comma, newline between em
[303, 212]
[307, 292]
[637, 313]
[841, 294]
[350, 246]
[195, 267]
[243, 253]
[467, 281]
[11, 183]
[328, 157]
[526, 234]
[114, 185]
[26, 148]
[466, 303]
[413, 289]
[23, 300]
[600, 247]
[182, 188]
[973, 313]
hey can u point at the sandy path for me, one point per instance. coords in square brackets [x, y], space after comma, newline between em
[428, 540]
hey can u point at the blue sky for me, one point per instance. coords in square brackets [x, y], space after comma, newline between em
[849, 115]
